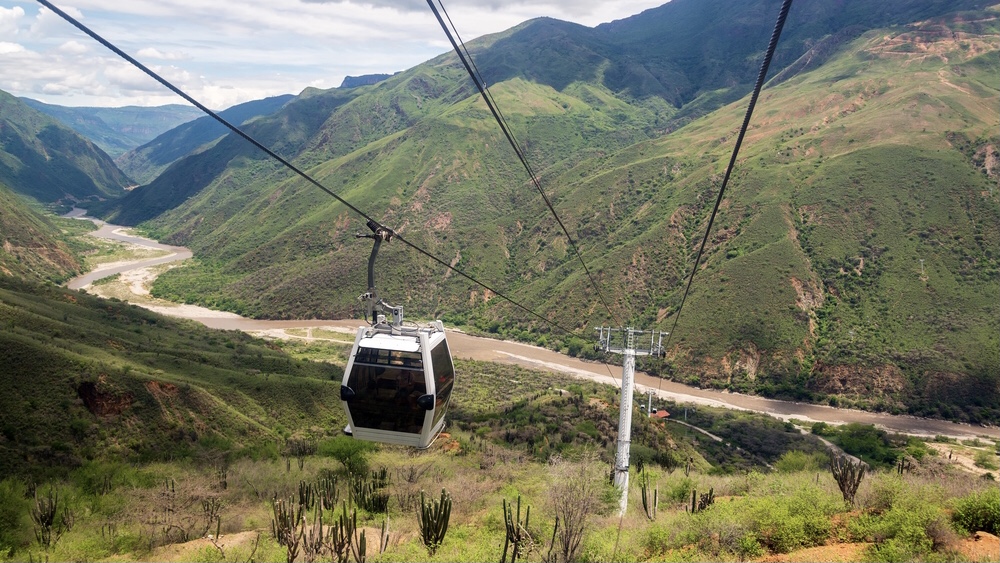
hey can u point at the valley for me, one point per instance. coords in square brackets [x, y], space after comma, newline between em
[502, 351]
[830, 392]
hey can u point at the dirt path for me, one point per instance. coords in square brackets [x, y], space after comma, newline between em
[485, 349]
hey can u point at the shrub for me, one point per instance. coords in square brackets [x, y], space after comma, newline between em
[679, 490]
[348, 451]
[794, 461]
[15, 528]
[979, 511]
[986, 460]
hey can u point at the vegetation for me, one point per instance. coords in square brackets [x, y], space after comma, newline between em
[854, 261]
[119, 130]
[46, 161]
[35, 245]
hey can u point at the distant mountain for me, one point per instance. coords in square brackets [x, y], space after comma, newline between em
[31, 247]
[854, 261]
[118, 130]
[286, 134]
[47, 161]
[147, 161]
[363, 80]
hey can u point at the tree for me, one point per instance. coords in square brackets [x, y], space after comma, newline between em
[575, 494]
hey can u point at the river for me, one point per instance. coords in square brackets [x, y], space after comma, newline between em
[485, 349]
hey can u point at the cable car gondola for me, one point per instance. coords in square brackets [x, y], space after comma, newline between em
[399, 378]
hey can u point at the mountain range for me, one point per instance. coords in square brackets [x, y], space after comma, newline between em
[854, 260]
[118, 130]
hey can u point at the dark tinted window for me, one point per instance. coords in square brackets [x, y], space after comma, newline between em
[444, 378]
[386, 386]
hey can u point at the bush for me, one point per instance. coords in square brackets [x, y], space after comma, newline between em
[679, 490]
[986, 460]
[795, 461]
[15, 528]
[348, 451]
[979, 512]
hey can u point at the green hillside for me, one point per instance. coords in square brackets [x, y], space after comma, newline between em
[31, 245]
[146, 162]
[853, 172]
[46, 161]
[86, 378]
[119, 130]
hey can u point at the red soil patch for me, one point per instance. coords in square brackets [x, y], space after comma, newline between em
[980, 546]
[834, 553]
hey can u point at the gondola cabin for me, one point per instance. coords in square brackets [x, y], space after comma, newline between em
[398, 383]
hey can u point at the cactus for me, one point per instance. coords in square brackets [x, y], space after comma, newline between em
[433, 520]
[341, 535]
[327, 493]
[50, 522]
[370, 493]
[307, 496]
[848, 476]
[517, 531]
[699, 503]
[285, 527]
[649, 503]
[706, 500]
[313, 540]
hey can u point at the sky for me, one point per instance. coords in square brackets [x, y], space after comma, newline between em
[225, 52]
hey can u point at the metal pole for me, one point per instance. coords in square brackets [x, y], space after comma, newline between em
[625, 423]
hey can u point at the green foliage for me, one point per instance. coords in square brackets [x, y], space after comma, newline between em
[986, 460]
[433, 517]
[42, 159]
[103, 380]
[33, 244]
[871, 444]
[353, 454]
[979, 511]
[15, 529]
[780, 523]
[795, 461]
[119, 130]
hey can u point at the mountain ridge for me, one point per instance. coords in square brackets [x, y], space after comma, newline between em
[853, 170]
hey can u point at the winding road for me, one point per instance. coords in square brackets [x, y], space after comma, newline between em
[485, 349]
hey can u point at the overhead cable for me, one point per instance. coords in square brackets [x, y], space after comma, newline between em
[283, 161]
[466, 59]
[782, 14]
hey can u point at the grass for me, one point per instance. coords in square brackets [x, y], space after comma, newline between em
[119, 510]
[212, 416]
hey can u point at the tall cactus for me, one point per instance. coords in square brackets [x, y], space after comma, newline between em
[517, 531]
[848, 476]
[649, 502]
[433, 520]
[285, 526]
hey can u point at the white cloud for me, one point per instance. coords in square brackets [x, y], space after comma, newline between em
[48, 24]
[7, 48]
[154, 53]
[74, 48]
[10, 19]
[229, 51]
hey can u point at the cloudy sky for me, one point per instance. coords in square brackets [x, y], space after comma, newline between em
[224, 52]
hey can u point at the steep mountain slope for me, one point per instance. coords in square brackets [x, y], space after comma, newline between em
[86, 378]
[118, 130]
[44, 160]
[30, 245]
[855, 170]
[287, 134]
[694, 54]
[144, 163]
